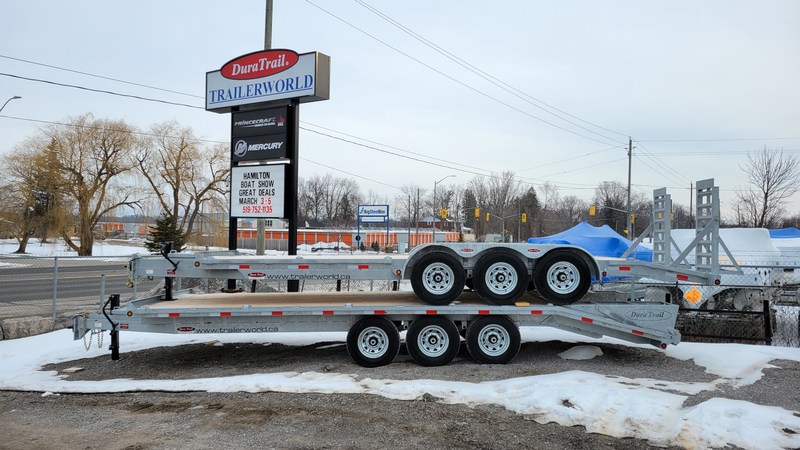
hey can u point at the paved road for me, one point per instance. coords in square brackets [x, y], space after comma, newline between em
[27, 284]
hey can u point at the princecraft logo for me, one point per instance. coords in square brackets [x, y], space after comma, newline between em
[259, 64]
[264, 122]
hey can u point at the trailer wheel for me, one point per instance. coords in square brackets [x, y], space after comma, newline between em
[561, 278]
[501, 279]
[433, 340]
[438, 278]
[493, 340]
[373, 341]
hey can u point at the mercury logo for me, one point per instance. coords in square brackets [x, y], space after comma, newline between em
[240, 149]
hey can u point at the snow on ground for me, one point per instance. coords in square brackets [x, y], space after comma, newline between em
[117, 248]
[650, 409]
[644, 408]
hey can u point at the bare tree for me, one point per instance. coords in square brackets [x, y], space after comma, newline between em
[547, 220]
[329, 200]
[571, 210]
[33, 203]
[407, 204]
[90, 155]
[774, 177]
[611, 200]
[183, 174]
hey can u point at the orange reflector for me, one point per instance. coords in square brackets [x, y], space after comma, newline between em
[225, 314]
[431, 312]
[327, 313]
[536, 311]
[483, 312]
[682, 277]
[637, 332]
[277, 313]
[586, 319]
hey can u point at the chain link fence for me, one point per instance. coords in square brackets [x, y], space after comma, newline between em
[59, 287]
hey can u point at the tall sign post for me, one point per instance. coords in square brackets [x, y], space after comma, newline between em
[263, 91]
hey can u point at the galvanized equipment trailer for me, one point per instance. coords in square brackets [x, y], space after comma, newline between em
[436, 315]
[373, 320]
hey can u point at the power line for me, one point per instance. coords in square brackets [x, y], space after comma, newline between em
[138, 133]
[443, 166]
[471, 88]
[476, 170]
[722, 139]
[646, 152]
[486, 76]
[100, 91]
[99, 76]
[350, 173]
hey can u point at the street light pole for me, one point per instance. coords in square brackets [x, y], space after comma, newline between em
[435, 217]
[12, 98]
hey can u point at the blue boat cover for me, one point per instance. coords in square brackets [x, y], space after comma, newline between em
[598, 241]
[782, 233]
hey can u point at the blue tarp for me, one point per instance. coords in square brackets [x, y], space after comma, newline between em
[599, 241]
[782, 233]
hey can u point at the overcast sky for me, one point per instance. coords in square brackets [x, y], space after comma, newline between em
[695, 84]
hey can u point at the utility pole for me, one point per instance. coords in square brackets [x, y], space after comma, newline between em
[261, 223]
[630, 222]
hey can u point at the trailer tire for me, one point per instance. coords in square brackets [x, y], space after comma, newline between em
[501, 278]
[373, 342]
[561, 277]
[438, 278]
[493, 340]
[433, 340]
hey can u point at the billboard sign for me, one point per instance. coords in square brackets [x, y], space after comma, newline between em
[268, 76]
[258, 191]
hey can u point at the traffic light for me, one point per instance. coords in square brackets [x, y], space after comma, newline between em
[487, 216]
[633, 218]
[443, 213]
[592, 210]
[477, 213]
[524, 217]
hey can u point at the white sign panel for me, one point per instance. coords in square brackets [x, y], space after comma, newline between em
[258, 191]
[373, 210]
[268, 76]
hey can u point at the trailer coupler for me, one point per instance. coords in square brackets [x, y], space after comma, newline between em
[113, 300]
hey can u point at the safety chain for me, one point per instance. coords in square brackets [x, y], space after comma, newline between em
[88, 343]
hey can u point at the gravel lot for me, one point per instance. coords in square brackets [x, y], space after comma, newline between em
[144, 420]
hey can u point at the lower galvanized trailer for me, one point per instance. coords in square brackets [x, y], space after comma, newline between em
[373, 321]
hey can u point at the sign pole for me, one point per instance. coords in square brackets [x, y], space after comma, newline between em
[292, 153]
